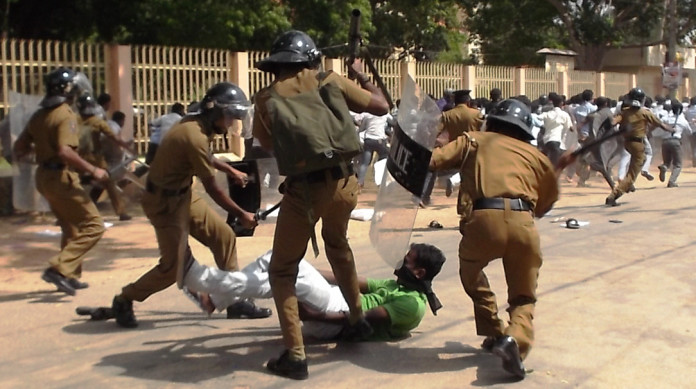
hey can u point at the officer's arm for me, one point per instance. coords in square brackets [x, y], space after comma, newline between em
[22, 146]
[240, 178]
[224, 201]
[72, 158]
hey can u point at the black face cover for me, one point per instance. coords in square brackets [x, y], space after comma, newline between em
[405, 277]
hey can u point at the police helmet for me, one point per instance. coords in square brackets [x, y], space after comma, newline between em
[291, 47]
[636, 97]
[512, 112]
[59, 82]
[226, 99]
[87, 105]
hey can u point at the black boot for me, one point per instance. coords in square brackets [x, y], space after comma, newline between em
[285, 367]
[123, 312]
[246, 309]
[61, 282]
[506, 348]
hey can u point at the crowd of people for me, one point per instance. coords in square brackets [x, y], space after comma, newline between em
[507, 155]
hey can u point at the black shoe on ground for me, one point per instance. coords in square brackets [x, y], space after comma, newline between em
[246, 309]
[632, 188]
[506, 348]
[52, 276]
[285, 367]
[123, 312]
[489, 342]
[647, 175]
[76, 284]
[125, 217]
[663, 172]
[672, 185]
[611, 202]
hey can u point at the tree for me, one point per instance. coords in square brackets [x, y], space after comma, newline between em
[589, 27]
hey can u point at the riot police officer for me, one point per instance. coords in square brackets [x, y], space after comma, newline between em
[506, 181]
[175, 212]
[635, 121]
[52, 134]
[92, 127]
[329, 194]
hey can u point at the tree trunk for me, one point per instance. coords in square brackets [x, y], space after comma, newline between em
[590, 57]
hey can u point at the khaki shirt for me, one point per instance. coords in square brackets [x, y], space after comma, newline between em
[461, 119]
[91, 129]
[185, 152]
[49, 129]
[638, 119]
[356, 98]
[499, 166]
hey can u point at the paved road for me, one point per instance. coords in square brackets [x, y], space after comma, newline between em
[617, 303]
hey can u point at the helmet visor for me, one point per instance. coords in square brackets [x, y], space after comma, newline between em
[81, 84]
[235, 110]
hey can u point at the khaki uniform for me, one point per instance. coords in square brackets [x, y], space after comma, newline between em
[91, 150]
[82, 227]
[495, 166]
[639, 120]
[176, 213]
[459, 120]
[330, 199]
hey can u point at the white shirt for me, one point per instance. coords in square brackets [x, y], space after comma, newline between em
[556, 123]
[373, 126]
[680, 126]
[690, 114]
[582, 111]
[162, 125]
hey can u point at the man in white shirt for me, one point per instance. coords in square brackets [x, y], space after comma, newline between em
[690, 115]
[671, 145]
[582, 114]
[556, 123]
[374, 134]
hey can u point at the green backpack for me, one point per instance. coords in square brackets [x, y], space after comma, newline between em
[312, 130]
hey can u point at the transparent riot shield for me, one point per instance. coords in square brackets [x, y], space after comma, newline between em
[407, 165]
[25, 197]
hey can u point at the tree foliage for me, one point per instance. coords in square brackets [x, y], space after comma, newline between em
[426, 28]
[510, 31]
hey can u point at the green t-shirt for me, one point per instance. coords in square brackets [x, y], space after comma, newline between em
[406, 308]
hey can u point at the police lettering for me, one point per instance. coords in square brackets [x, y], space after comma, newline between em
[401, 156]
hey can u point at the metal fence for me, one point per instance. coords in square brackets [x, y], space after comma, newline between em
[163, 76]
[24, 63]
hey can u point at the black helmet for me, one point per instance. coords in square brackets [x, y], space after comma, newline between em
[636, 97]
[59, 82]
[291, 47]
[513, 112]
[225, 98]
[87, 105]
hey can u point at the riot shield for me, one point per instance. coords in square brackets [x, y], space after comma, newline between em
[407, 165]
[261, 193]
[25, 197]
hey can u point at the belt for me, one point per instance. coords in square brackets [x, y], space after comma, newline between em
[635, 139]
[152, 188]
[516, 204]
[334, 173]
[53, 165]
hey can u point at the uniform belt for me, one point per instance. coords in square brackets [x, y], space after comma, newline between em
[154, 189]
[334, 173]
[53, 165]
[635, 139]
[516, 204]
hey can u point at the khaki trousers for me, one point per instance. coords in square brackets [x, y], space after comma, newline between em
[332, 201]
[174, 218]
[637, 151]
[512, 236]
[79, 220]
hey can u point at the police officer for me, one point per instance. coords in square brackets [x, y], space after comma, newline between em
[635, 120]
[175, 212]
[53, 133]
[92, 127]
[327, 194]
[505, 183]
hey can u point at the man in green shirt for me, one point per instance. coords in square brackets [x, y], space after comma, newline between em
[392, 307]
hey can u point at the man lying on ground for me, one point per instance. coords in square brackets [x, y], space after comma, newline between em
[392, 307]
